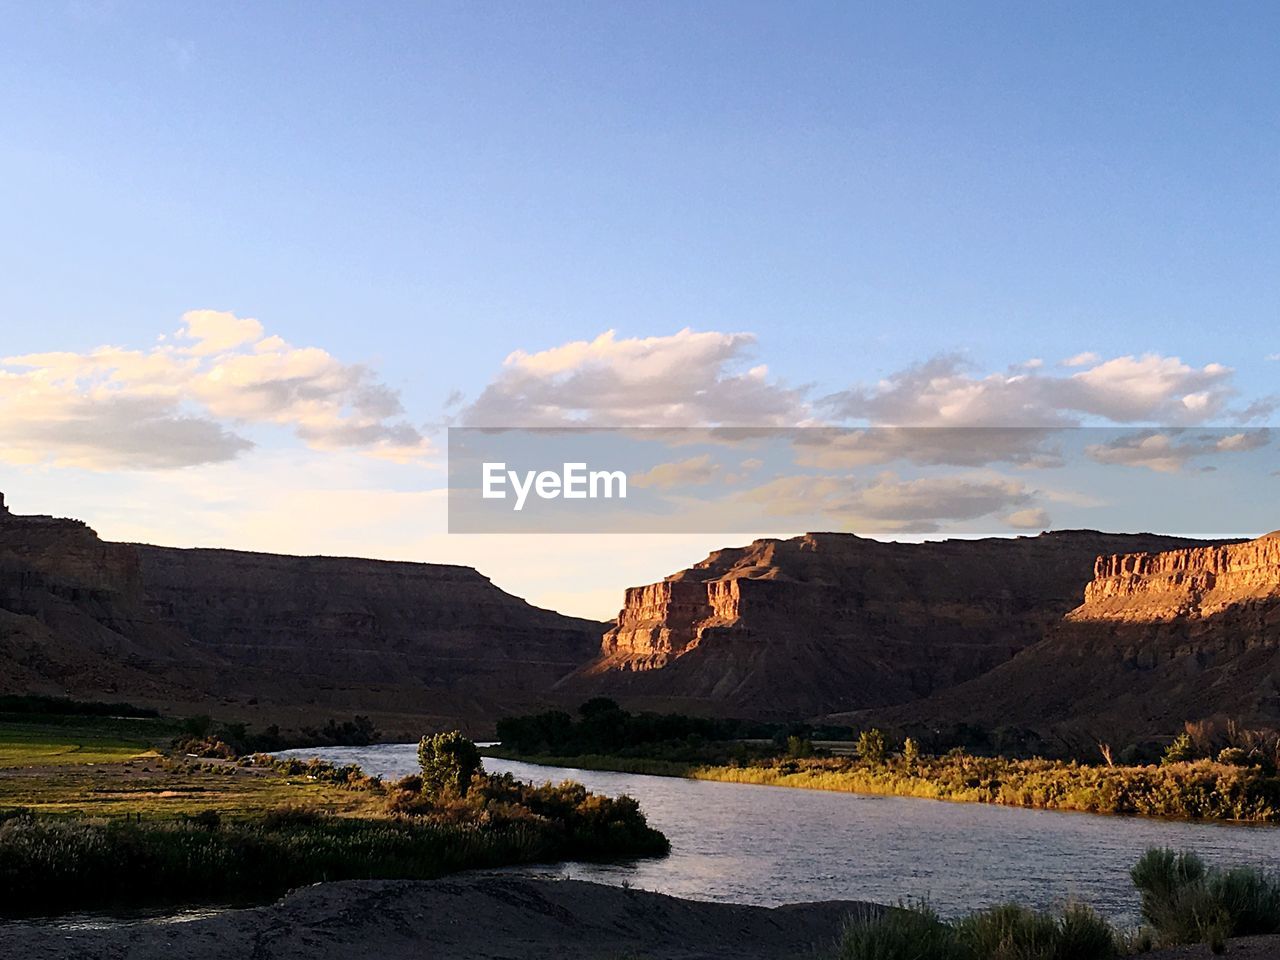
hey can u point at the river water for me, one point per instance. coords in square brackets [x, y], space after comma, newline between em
[771, 845]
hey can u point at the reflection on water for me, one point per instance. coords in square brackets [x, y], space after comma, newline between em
[771, 845]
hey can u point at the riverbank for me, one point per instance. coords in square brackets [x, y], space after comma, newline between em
[490, 916]
[1199, 790]
[116, 824]
[469, 917]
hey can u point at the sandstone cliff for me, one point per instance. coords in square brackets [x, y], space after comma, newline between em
[73, 617]
[832, 621]
[270, 638]
[1159, 638]
[376, 636]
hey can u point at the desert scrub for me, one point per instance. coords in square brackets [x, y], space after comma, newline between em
[1007, 932]
[1185, 901]
[1199, 790]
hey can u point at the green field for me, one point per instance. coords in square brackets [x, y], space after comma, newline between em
[33, 742]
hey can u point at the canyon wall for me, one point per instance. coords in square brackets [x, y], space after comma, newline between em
[416, 638]
[270, 638]
[831, 621]
[1159, 638]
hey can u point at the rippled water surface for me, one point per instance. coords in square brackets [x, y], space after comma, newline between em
[771, 845]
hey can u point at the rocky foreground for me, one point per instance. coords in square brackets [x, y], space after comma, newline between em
[473, 917]
[486, 917]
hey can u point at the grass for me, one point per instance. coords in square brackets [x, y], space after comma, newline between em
[1006, 932]
[1183, 902]
[29, 742]
[1200, 790]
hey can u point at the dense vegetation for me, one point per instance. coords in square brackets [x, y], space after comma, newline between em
[32, 704]
[1197, 778]
[202, 736]
[1192, 790]
[1183, 902]
[604, 728]
[415, 828]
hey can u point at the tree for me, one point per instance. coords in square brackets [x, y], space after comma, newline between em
[1181, 750]
[449, 761]
[871, 746]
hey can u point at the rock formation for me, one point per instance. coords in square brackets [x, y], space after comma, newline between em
[270, 638]
[833, 621]
[1159, 639]
[410, 638]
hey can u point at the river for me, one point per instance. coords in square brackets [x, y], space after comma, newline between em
[770, 845]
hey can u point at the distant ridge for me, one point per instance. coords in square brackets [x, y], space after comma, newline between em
[270, 638]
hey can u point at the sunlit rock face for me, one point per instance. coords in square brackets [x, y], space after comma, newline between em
[1184, 584]
[828, 622]
[1160, 638]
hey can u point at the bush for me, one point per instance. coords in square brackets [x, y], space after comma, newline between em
[449, 761]
[906, 933]
[1007, 932]
[1186, 902]
[910, 752]
[799, 747]
[871, 746]
[1181, 750]
[1233, 757]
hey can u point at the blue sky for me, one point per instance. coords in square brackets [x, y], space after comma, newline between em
[425, 188]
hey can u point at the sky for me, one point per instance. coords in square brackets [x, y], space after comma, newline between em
[257, 257]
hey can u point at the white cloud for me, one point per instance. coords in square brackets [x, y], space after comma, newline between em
[216, 331]
[685, 379]
[182, 404]
[942, 392]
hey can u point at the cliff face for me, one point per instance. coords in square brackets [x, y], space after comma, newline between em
[431, 638]
[271, 638]
[834, 621]
[73, 617]
[1183, 584]
[1160, 638]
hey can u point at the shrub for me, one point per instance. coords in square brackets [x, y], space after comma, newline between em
[1084, 934]
[449, 761]
[1233, 757]
[910, 752]
[799, 747]
[1181, 750]
[1186, 902]
[1007, 932]
[906, 933]
[872, 746]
